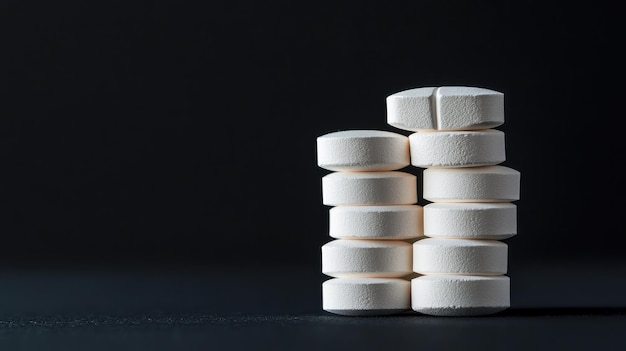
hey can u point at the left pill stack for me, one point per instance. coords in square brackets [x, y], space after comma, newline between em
[373, 220]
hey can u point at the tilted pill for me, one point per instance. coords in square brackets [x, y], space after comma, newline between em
[460, 256]
[469, 220]
[471, 184]
[363, 258]
[363, 150]
[457, 148]
[445, 108]
[390, 222]
[366, 296]
[460, 295]
[369, 188]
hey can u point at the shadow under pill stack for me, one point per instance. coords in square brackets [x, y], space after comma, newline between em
[461, 261]
[373, 221]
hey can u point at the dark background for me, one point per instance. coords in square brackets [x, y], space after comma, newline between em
[159, 186]
[175, 133]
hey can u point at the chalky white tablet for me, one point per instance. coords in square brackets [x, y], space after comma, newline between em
[343, 258]
[445, 108]
[412, 109]
[460, 256]
[390, 222]
[363, 150]
[496, 221]
[457, 148]
[366, 296]
[471, 184]
[460, 295]
[460, 107]
[369, 188]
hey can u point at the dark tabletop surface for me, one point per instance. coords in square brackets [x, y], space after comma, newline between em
[558, 306]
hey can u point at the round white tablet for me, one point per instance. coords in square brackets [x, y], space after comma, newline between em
[460, 295]
[369, 188]
[344, 258]
[457, 148]
[471, 184]
[445, 108]
[363, 150]
[460, 256]
[470, 220]
[391, 222]
[366, 296]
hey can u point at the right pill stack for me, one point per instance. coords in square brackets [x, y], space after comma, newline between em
[462, 261]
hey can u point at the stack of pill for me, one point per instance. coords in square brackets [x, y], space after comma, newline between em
[461, 262]
[374, 219]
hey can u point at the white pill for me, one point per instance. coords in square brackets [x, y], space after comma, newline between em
[469, 108]
[460, 256]
[457, 148]
[395, 222]
[363, 150]
[366, 296]
[469, 220]
[369, 188]
[412, 109]
[460, 295]
[343, 258]
[471, 184]
[445, 108]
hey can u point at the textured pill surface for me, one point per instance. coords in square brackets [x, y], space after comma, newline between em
[366, 296]
[457, 148]
[363, 150]
[471, 184]
[412, 109]
[445, 108]
[369, 188]
[367, 258]
[391, 222]
[460, 107]
[460, 295]
[460, 256]
[469, 220]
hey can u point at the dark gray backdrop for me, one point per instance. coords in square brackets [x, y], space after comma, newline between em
[184, 132]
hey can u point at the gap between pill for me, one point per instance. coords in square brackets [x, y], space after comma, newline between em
[434, 115]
